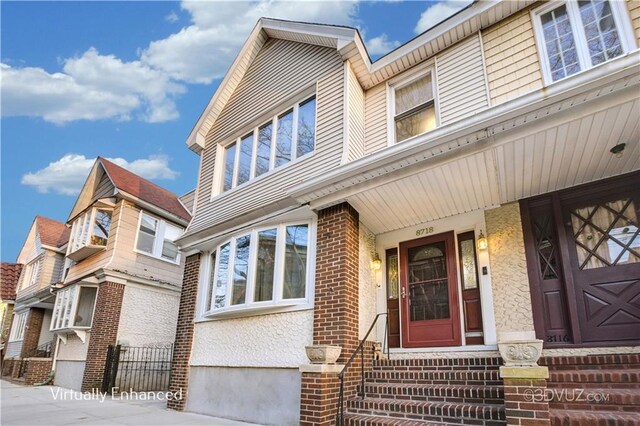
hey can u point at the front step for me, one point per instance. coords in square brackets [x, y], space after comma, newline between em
[443, 377]
[596, 378]
[588, 418]
[437, 393]
[364, 420]
[429, 411]
[603, 399]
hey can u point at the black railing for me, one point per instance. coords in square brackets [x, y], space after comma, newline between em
[137, 368]
[42, 351]
[360, 348]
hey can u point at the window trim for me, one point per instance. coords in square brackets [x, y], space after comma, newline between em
[18, 328]
[277, 303]
[273, 119]
[157, 245]
[75, 228]
[623, 25]
[32, 269]
[404, 80]
[74, 308]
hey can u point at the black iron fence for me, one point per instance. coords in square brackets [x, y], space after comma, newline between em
[137, 368]
[42, 351]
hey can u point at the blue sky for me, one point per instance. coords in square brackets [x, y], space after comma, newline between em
[128, 80]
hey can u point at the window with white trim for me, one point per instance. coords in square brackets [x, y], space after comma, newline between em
[31, 273]
[573, 36]
[90, 229]
[282, 139]
[413, 106]
[269, 266]
[156, 237]
[18, 326]
[74, 307]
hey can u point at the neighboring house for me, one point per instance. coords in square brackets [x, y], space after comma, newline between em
[122, 275]
[9, 277]
[479, 183]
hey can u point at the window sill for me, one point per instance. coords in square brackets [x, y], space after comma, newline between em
[256, 310]
[144, 253]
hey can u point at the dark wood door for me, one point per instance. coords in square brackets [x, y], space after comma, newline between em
[429, 292]
[469, 279]
[603, 237]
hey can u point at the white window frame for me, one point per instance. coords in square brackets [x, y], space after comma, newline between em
[158, 240]
[218, 184]
[404, 80]
[77, 229]
[31, 273]
[623, 25]
[18, 326]
[63, 301]
[277, 303]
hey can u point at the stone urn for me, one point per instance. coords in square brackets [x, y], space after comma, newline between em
[323, 354]
[519, 349]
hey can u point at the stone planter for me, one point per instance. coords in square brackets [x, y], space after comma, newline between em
[520, 350]
[323, 354]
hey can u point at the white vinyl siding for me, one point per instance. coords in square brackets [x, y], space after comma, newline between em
[355, 116]
[462, 87]
[375, 119]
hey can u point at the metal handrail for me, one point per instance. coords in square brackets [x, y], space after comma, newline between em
[42, 351]
[360, 348]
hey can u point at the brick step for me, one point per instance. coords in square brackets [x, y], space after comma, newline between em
[452, 377]
[427, 411]
[621, 378]
[591, 362]
[588, 418]
[436, 393]
[595, 399]
[364, 420]
[439, 362]
[418, 368]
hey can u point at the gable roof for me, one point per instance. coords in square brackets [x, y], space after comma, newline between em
[350, 46]
[9, 276]
[51, 232]
[144, 190]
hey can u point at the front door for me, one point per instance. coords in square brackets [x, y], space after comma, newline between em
[429, 292]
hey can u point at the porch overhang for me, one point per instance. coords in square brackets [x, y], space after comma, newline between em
[550, 139]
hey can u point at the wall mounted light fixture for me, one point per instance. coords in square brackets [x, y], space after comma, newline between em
[376, 263]
[482, 242]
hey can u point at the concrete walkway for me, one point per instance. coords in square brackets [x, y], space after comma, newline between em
[51, 405]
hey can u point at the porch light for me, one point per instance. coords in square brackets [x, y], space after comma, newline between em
[376, 263]
[482, 242]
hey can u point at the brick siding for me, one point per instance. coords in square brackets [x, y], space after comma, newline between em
[37, 370]
[32, 331]
[179, 380]
[521, 405]
[104, 332]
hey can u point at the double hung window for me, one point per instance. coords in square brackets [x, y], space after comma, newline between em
[157, 237]
[414, 110]
[18, 326]
[31, 273]
[284, 138]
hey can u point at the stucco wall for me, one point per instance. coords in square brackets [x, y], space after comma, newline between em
[510, 282]
[69, 374]
[148, 316]
[275, 340]
[368, 287]
[74, 349]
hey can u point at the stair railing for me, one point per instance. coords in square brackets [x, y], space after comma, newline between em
[360, 348]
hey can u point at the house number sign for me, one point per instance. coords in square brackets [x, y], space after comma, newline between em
[424, 231]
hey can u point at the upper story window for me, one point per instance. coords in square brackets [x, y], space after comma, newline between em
[18, 326]
[31, 273]
[157, 238]
[262, 268]
[89, 233]
[282, 139]
[413, 106]
[576, 35]
[74, 307]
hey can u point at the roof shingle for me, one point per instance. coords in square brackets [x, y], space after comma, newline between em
[52, 232]
[9, 276]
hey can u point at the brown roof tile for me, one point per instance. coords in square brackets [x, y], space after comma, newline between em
[145, 190]
[52, 232]
[9, 275]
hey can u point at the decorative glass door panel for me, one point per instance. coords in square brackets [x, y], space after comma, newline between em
[429, 298]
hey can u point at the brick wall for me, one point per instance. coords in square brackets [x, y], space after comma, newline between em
[32, 331]
[37, 370]
[104, 332]
[521, 408]
[179, 380]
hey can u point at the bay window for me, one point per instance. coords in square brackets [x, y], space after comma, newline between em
[285, 137]
[156, 237]
[264, 267]
[413, 106]
[18, 326]
[576, 35]
[89, 233]
[74, 307]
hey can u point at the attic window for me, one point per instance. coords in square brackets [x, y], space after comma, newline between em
[286, 137]
[414, 109]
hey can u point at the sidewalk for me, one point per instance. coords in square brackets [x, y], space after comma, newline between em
[51, 405]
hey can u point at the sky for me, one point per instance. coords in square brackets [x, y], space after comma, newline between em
[128, 81]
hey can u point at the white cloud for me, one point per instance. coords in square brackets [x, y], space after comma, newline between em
[66, 175]
[172, 17]
[381, 45]
[438, 12]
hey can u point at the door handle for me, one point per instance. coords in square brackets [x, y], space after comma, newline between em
[403, 292]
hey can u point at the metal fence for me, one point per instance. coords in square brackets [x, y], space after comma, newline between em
[137, 368]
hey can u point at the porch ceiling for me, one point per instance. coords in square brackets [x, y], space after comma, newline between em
[568, 151]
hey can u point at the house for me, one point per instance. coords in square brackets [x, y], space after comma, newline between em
[478, 186]
[42, 256]
[9, 276]
[119, 277]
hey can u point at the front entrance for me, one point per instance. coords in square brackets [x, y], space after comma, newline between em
[429, 292]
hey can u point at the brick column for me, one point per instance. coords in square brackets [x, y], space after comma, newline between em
[179, 381]
[525, 395]
[32, 331]
[104, 332]
[335, 319]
